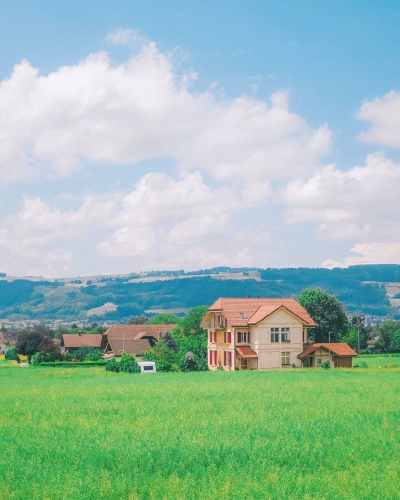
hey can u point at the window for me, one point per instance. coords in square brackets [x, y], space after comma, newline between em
[227, 358]
[285, 333]
[285, 358]
[213, 358]
[227, 337]
[243, 315]
[212, 337]
[242, 337]
[274, 334]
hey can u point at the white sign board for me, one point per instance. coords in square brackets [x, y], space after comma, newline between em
[147, 367]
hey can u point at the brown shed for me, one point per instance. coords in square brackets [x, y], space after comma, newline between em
[339, 354]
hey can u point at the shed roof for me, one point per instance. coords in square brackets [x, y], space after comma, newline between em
[248, 311]
[136, 332]
[246, 352]
[137, 347]
[78, 340]
[337, 348]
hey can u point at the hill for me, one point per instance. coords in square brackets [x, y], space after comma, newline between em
[370, 289]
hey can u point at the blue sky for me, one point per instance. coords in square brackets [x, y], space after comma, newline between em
[181, 134]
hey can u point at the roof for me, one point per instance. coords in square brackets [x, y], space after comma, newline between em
[249, 311]
[246, 352]
[337, 348]
[137, 347]
[6, 337]
[76, 340]
[136, 332]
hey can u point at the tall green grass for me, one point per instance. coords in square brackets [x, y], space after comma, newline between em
[90, 434]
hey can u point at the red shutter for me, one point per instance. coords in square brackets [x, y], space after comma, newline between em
[224, 358]
[229, 337]
[224, 337]
[215, 357]
[211, 357]
[230, 358]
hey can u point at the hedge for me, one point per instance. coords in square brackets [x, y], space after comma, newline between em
[64, 364]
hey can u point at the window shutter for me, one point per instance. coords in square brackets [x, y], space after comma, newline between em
[224, 358]
[230, 358]
[215, 357]
[224, 337]
[211, 357]
[229, 337]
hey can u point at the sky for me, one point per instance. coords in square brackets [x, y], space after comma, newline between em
[184, 135]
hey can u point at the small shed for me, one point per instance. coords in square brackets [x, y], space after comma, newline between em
[339, 354]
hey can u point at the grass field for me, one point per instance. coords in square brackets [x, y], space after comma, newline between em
[88, 434]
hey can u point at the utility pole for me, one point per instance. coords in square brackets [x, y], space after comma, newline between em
[329, 349]
[358, 331]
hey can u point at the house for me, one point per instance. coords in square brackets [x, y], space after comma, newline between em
[70, 342]
[7, 340]
[133, 339]
[255, 334]
[339, 354]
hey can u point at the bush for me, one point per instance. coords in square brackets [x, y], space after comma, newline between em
[87, 353]
[129, 364]
[326, 365]
[36, 359]
[112, 365]
[11, 354]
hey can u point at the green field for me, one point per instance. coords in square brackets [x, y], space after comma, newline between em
[376, 360]
[86, 434]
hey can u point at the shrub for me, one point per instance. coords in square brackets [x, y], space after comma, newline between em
[129, 364]
[11, 354]
[87, 353]
[36, 359]
[112, 365]
[326, 365]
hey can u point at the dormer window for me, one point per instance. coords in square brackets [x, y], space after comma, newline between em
[243, 315]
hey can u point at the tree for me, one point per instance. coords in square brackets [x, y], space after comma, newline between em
[165, 319]
[128, 363]
[328, 313]
[29, 343]
[191, 322]
[388, 335]
[137, 320]
[169, 341]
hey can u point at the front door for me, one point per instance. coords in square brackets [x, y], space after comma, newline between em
[243, 364]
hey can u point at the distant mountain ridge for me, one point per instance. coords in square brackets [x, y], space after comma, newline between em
[369, 289]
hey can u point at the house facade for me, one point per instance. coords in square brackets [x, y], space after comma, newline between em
[6, 341]
[256, 334]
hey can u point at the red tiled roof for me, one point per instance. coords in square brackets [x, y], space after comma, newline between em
[248, 311]
[136, 332]
[246, 352]
[137, 347]
[337, 348]
[75, 340]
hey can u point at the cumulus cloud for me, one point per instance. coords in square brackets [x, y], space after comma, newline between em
[357, 204]
[98, 113]
[129, 37]
[383, 115]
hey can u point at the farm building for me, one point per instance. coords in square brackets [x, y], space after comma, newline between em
[70, 342]
[259, 334]
[339, 354]
[133, 339]
[6, 341]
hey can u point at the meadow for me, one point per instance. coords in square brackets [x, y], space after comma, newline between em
[86, 434]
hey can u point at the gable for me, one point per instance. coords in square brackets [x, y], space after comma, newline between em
[281, 317]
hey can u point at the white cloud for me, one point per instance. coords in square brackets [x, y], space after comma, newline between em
[383, 114]
[358, 204]
[129, 37]
[95, 112]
